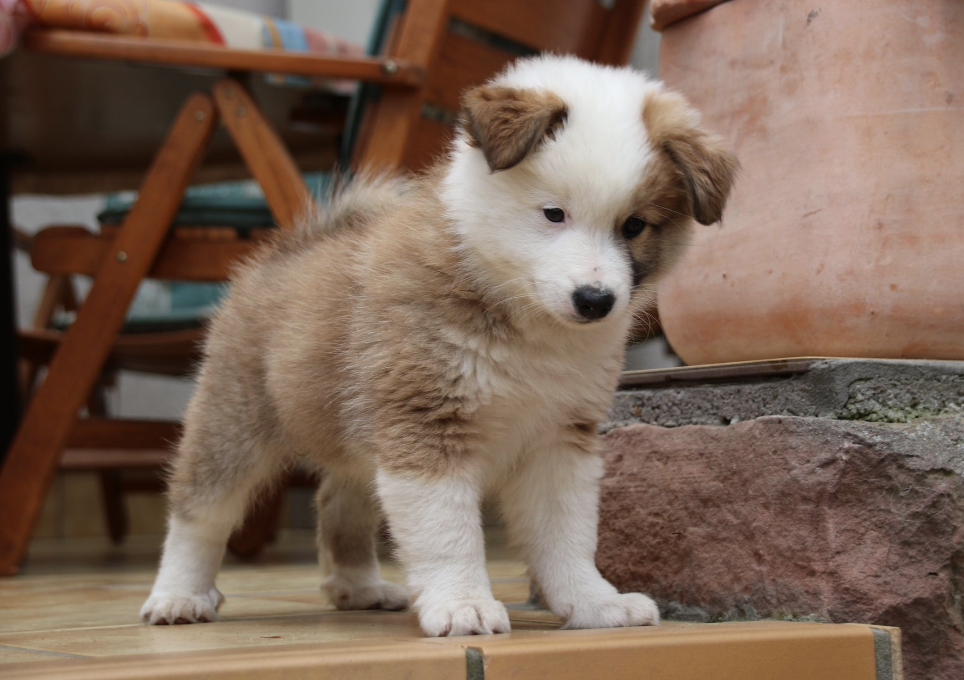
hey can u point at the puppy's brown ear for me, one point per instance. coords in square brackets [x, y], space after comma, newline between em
[508, 123]
[707, 165]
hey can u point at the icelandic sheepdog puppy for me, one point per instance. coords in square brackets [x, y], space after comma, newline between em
[428, 341]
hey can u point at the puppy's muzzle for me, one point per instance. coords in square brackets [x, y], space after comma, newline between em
[593, 303]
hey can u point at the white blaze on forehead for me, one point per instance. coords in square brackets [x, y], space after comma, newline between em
[600, 153]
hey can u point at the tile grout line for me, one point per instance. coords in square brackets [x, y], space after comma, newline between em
[474, 664]
[44, 652]
[883, 657]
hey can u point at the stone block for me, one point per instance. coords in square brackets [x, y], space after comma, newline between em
[837, 514]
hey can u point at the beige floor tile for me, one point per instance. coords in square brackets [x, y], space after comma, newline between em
[236, 631]
[80, 608]
[793, 651]
[355, 660]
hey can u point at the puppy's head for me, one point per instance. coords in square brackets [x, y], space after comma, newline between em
[574, 186]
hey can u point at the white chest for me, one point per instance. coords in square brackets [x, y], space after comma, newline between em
[528, 391]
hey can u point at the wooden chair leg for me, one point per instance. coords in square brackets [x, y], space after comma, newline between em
[395, 115]
[9, 374]
[260, 525]
[264, 153]
[32, 459]
[111, 480]
[58, 292]
[115, 511]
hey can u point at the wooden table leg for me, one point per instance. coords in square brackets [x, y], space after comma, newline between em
[33, 457]
[10, 413]
[264, 153]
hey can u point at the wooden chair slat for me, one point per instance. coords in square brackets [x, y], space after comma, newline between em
[263, 152]
[107, 433]
[123, 459]
[429, 140]
[464, 62]
[173, 353]
[73, 250]
[187, 53]
[570, 27]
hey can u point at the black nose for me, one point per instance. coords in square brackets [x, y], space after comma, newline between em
[593, 303]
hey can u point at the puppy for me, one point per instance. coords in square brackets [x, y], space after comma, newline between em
[427, 341]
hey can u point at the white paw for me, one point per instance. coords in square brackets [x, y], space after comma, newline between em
[175, 608]
[380, 595]
[464, 617]
[613, 611]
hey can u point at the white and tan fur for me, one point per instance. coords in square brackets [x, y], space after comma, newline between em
[421, 343]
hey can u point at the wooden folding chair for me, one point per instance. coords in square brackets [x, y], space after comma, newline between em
[433, 50]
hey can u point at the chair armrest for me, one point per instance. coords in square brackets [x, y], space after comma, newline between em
[192, 54]
[22, 241]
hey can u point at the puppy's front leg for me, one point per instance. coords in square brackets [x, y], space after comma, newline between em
[437, 525]
[551, 508]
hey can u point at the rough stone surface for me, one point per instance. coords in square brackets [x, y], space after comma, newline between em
[798, 518]
[847, 389]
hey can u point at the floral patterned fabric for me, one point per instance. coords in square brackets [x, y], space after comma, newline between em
[169, 19]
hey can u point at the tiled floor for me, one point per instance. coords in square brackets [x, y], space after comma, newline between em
[72, 613]
[81, 597]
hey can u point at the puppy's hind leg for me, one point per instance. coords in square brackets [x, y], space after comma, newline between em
[348, 517]
[213, 482]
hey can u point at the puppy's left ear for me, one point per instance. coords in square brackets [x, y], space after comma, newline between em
[507, 123]
[708, 167]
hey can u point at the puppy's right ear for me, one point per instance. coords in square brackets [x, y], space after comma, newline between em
[707, 166]
[508, 123]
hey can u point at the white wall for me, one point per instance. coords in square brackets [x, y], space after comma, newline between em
[646, 51]
[349, 19]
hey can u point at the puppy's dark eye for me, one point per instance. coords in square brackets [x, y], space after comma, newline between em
[633, 227]
[554, 214]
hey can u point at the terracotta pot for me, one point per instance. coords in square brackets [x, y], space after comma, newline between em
[662, 13]
[845, 234]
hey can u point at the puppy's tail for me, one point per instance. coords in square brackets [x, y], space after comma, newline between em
[351, 203]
